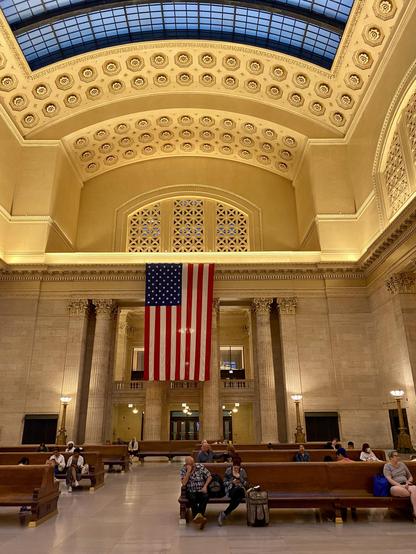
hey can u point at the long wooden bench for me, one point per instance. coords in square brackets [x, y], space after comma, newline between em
[165, 449]
[330, 486]
[112, 454]
[32, 486]
[289, 455]
[94, 460]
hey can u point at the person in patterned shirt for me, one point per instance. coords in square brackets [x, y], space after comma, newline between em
[195, 479]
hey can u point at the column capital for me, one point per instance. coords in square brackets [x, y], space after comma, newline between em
[287, 305]
[104, 307]
[216, 305]
[261, 305]
[78, 306]
[402, 282]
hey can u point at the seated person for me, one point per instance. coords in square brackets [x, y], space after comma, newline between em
[367, 455]
[342, 456]
[57, 460]
[328, 459]
[235, 482]
[302, 455]
[70, 447]
[195, 478]
[133, 447]
[334, 444]
[206, 455]
[400, 479]
[350, 445]
[42, 447]
[74, 468]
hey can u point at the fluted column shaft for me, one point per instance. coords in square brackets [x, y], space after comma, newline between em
[153, 411]
[74, 362]
[99, 372]
[211, 423]
[266, 380]
[290, 355]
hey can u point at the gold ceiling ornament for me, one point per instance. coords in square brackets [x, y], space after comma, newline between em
[113, 75]
[162, 133]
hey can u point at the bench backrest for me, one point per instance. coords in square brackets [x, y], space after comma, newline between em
[107, 450]
[94, 459]
[289, 455]
[26, 479]
[317, 477]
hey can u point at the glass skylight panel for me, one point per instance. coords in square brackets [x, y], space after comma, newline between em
[312, 38]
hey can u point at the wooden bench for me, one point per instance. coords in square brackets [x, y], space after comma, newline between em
[32, 486]
[93, 459]
[112, 454]
[289, 455]
[165, 449]
[329, 486]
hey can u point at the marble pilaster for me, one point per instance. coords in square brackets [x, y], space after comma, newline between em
[74, 362]
[94, 432]
[211, 423]
[153, 410]
[266, 379]
[290, 355]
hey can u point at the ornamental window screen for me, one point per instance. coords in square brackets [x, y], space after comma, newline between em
[232, 229]
[398, 190]
[411, 125]
[188, 225]
[144, 230]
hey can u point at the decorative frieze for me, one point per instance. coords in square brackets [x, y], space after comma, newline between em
[287, 305]
[402, 282]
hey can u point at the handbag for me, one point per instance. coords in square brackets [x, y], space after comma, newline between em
[381, 487]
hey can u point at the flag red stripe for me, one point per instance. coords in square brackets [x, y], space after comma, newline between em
[157, 345]
[146, 341]
[198, 321]
[209, 322]
[178, 343]
[188, 320]
[168, 333]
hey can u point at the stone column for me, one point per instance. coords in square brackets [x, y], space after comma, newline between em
[94, 432]
[267, 387]
[290, 358]
[153, 410]
[121, 346]
[211, 415]
[74, 362]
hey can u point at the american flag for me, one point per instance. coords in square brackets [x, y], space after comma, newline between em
[177, 327]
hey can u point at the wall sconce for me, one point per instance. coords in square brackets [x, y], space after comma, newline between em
[299, 434]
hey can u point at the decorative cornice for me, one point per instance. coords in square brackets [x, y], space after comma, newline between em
[78, 307]
[287, 305]
[262, 306]
[402, 282]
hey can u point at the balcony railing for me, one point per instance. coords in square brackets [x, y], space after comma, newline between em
[245, 384]
[124, 386]
[174, 385]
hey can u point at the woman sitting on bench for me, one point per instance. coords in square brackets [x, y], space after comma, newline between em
[235, 482]
[400, 479]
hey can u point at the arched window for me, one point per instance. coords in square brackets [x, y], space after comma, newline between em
[188, 225]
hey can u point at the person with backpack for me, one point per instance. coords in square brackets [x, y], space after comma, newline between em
[195, 479]
[235, 483]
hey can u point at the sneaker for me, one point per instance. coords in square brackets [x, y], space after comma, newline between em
[198, 518]
[221, 517]
[76, 484]
[69, 489]
[203, 522]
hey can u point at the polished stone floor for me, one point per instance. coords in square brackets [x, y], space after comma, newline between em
[138, 512]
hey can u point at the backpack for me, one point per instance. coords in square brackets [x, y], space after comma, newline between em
[381, 487]
[257, 503]
[216, 488]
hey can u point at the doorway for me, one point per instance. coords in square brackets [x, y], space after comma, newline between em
[321, 426]
[227, 427]
[183, 427]
[40, 428]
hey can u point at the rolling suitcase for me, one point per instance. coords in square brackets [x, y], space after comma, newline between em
[257, 503]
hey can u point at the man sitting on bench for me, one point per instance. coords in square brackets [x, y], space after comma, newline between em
[196, 478]
[57, 460]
